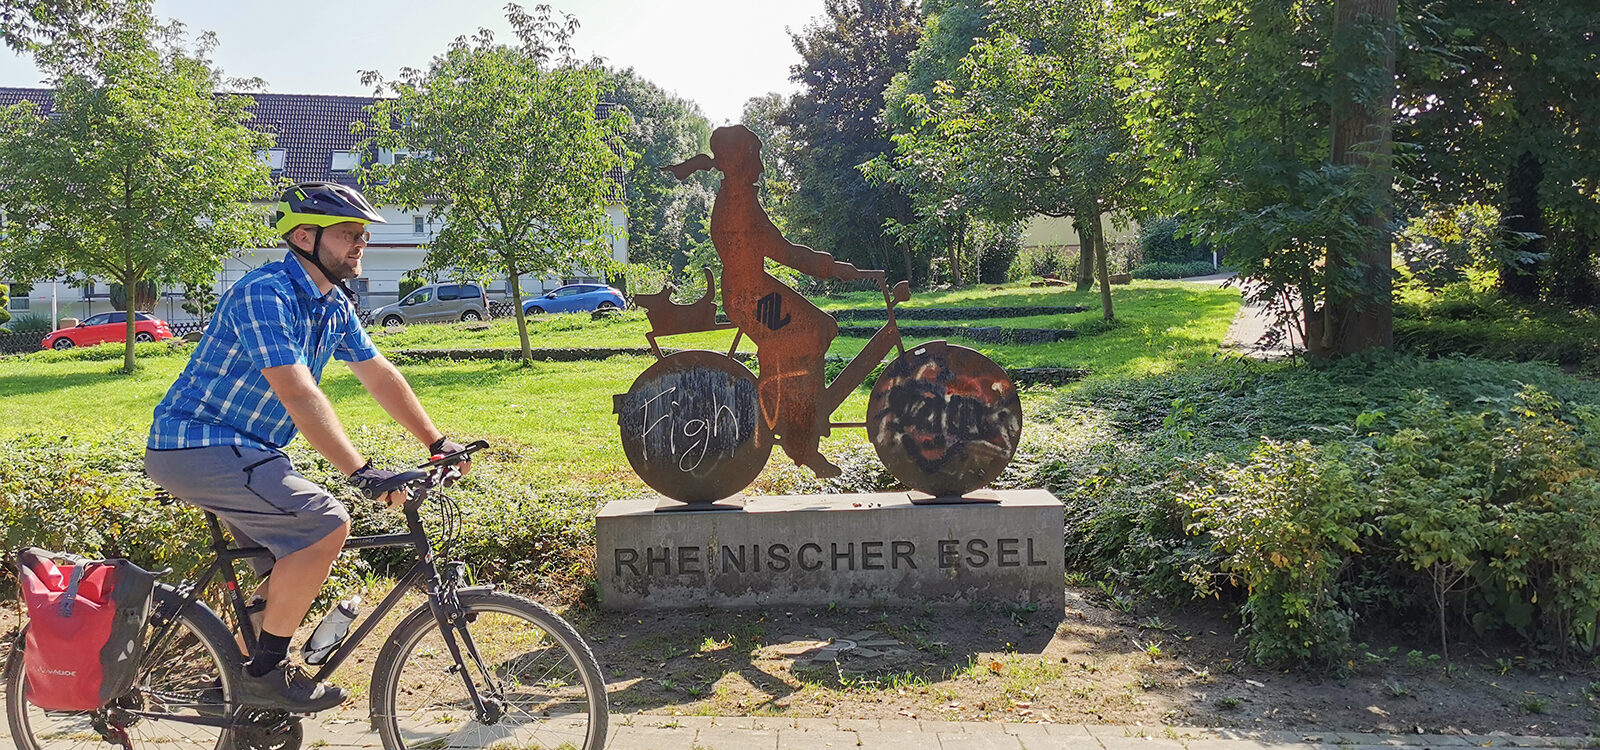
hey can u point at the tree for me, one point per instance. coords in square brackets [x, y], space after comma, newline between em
[663, 217]
[1500, 100]
[848, 58]
[942, 203]
[1234, 104]
[510, 153]
[142, 172]
[1031, 125]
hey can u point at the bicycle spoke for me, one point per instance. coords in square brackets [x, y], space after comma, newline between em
[537, 684]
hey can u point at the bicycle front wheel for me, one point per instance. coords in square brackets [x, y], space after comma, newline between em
[183, 677]
[538, 684]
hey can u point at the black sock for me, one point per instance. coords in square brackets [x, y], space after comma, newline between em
[270, 651]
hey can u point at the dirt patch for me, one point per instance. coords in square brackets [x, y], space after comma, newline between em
[1100, 662]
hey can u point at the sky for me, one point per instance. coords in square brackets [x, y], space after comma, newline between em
[716, 53]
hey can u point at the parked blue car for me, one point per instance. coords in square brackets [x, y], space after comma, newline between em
[576, 298]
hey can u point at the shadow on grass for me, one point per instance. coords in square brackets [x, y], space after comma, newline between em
[35, 384]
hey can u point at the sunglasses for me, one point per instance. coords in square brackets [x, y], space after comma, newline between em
[352, 237]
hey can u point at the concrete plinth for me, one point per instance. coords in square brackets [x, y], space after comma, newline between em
[822, 549]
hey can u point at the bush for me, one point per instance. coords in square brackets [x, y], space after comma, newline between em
[1284, 521]
[31, 323]
[1446, 242]
[1168, 270]
[1160, 242]
[1034, 262]
[1319, 500]
[1460, 319]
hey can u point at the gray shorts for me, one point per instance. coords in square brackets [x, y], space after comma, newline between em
[256, 494]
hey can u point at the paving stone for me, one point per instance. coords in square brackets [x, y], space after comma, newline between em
[893, 741]
[812, 725]
[900, 725]
[1140, 743]
[976, 741]
[1025, 730]
[716, 738]
[810, 740]
[758, 723]
[653, 738]
[1068, 730]
[1235, 744]
[860, 725]
[1051, 742]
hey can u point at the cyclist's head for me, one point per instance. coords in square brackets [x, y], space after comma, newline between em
[309, 210]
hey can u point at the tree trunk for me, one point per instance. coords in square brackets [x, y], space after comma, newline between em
[957, 278]
[515, 285]
[1523, 214]
[130, 282]
[1100, 253]
[1086, 252]
[1363, 133]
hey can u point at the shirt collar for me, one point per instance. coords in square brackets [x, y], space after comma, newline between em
[303, 279]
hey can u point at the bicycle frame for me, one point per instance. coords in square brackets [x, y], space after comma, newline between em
[855, 373]
[424, 575]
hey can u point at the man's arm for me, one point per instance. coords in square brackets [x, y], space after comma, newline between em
[313, 415]
[389, 388]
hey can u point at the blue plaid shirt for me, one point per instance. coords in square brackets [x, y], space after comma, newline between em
[273, 316]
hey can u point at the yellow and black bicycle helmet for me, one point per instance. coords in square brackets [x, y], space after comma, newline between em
[323, 204]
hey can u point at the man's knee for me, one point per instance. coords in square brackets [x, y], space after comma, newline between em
[330, 545]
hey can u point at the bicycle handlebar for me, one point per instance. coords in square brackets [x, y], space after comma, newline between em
[437, 471]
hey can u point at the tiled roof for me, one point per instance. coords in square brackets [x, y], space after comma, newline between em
[308, 127]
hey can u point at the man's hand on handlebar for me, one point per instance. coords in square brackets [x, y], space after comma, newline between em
[371, 482]
[444, 446]
[401, 487]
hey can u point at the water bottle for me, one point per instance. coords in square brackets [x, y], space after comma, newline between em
[330, 632]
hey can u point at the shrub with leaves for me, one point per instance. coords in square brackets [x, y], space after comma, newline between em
[1498, 513]
[1286, 520]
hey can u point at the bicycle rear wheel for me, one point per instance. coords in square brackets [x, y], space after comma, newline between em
[186, 676]
[543, 683]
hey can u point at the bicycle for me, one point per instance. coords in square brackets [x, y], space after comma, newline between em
[944, 419]
[472, 667]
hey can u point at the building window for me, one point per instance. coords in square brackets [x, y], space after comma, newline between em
[344, 161]
[18, 299]
[416, 225]
[272, 157]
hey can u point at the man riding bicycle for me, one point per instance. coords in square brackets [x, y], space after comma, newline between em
[250, 386]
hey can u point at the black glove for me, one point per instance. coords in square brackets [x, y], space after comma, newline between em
[368, 480]
[445, 446]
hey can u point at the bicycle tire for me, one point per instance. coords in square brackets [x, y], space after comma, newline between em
[418, 701]
[194, 669]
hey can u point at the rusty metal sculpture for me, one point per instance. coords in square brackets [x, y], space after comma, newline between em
[698, 427]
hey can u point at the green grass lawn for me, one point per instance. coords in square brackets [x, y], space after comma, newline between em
[1161, 325]
[556, 417]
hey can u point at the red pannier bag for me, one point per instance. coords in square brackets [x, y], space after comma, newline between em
[85, 634]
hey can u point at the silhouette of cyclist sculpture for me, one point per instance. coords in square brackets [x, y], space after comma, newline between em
[698, 426]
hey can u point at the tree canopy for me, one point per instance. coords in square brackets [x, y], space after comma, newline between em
[143, 171]
[835, 123]
[508, 151]
[664, 218]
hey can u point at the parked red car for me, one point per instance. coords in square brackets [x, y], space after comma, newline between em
[111, 326]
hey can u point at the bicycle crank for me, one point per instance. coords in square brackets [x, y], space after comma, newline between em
[267, 730]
